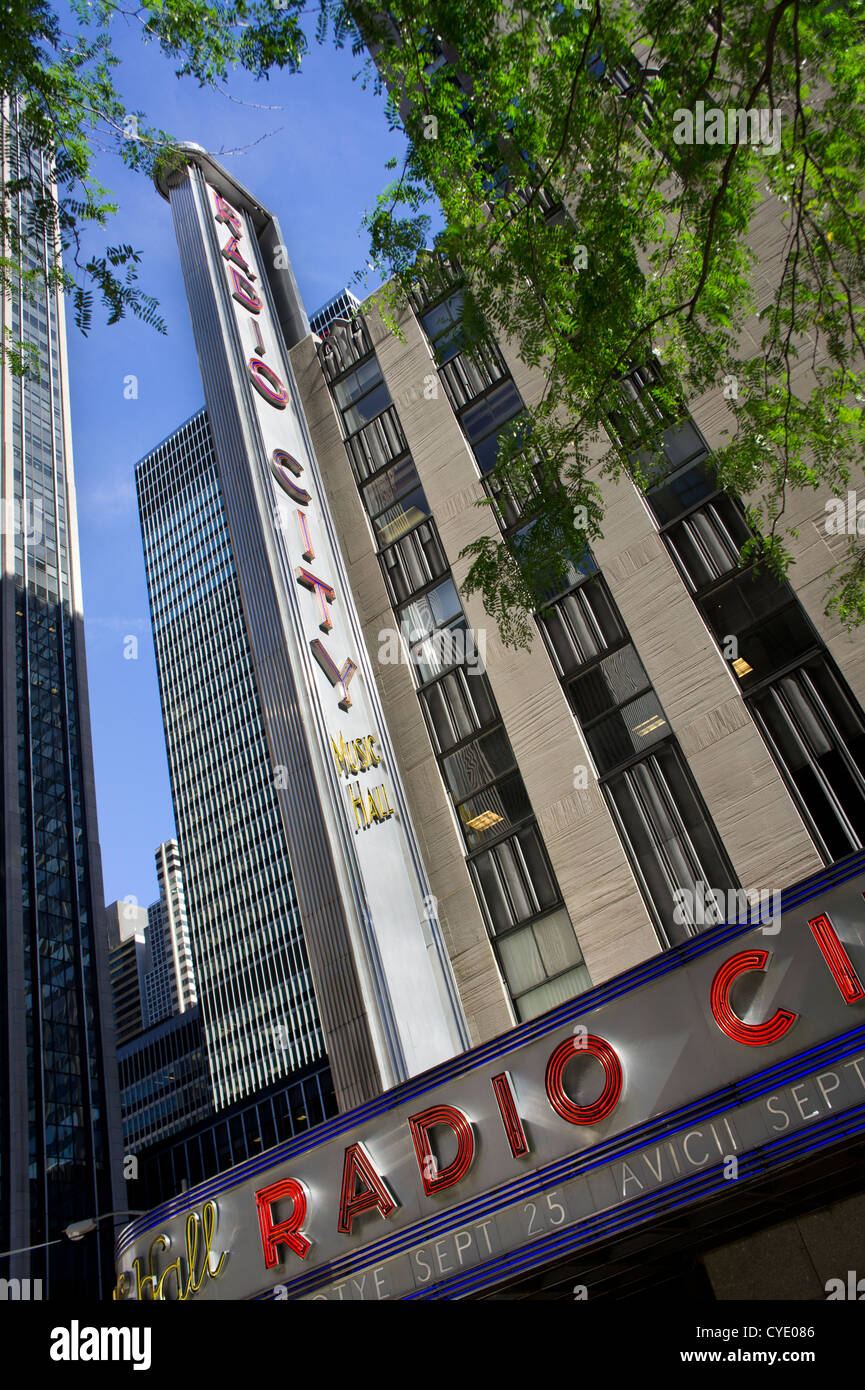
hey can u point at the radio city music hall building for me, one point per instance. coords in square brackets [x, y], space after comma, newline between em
[657, 1073]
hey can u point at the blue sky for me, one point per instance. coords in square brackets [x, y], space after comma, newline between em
[321, 165]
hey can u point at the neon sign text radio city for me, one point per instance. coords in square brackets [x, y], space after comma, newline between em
[364, 1190]
[285, 468]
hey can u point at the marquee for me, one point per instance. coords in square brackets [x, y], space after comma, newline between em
[707, 1065]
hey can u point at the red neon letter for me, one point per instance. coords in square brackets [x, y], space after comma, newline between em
[504, 1094]
[282, 1232]
[231, 253]
[225, 213]
[336, 675]
[837, 959]
[586, 1045]
[751, 1034]
[281, 465]
[436, 1179]
[308, 552]
[354, 1200]
[244, 293]
[267, 383]
[322, 590]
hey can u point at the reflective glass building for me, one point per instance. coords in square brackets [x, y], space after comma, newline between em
[59, 1105]
[258, 1010]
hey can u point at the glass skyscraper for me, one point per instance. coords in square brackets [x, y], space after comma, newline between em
[59, 1103]
[255, 991]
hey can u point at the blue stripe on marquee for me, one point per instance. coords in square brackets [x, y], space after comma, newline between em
[562, 1170]
[427, 1081]
[642, 1209]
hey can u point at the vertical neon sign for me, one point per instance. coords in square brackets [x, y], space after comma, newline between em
[284, 467]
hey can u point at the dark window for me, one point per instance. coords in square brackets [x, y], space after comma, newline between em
[483, 422]
[362, 395]
[314, 1111]
[582, 625]
[514, 880]
[366, 409]
[413, 562]
[357, 383]
[817, 736]
[478, 764]
[456, 707]
[671, 841]
[443, 327]
[707, 544]
[682, 490]
[395, 501]
[766, 621]
[491, 812]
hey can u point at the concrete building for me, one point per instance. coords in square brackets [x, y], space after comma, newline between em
[129, 965]
[170, 984]
[649, 762]
[614, 826]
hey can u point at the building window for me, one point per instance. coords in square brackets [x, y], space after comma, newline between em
[810, 722]
[361, 395]
[395, 501]
[658, 811]
[457, 706]
[817, 736]
[671, 842]
[541, 961]
[436, 630]
[414, 562]
[484, 422]
[443, 327]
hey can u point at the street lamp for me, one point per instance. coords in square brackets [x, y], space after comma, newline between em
[79, 1229]
[76, 1231]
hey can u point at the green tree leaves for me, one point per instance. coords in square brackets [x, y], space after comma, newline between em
[557, 128]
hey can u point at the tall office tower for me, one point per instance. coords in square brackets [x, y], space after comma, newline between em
[164, 1083]
[129, 965]
[257, 1004]
[341, 305]
[59, 1104]
[248, 515]
[170, 986]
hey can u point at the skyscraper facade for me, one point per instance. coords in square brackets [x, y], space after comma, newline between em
[59, 1104]
[164, 1082]
[258, 1007]
[170, 986]
[129, 965]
